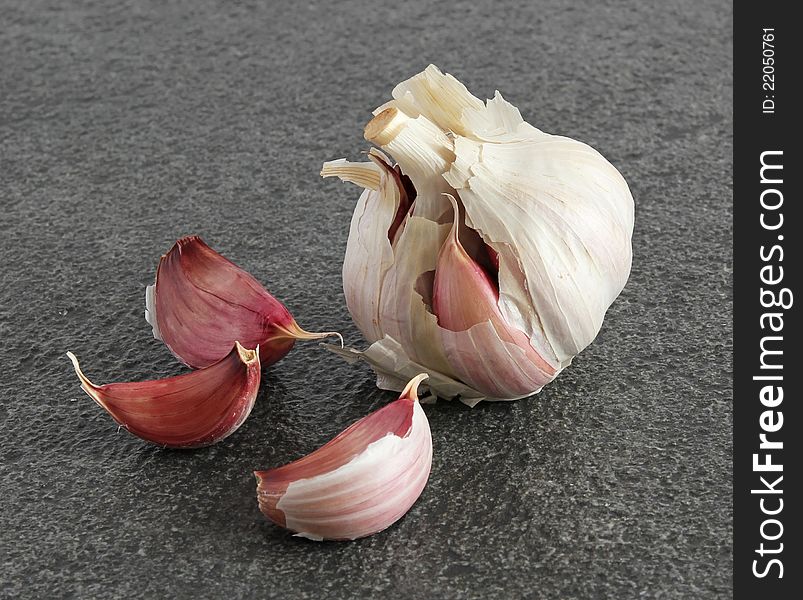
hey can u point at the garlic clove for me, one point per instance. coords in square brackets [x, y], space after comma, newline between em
[201, 302]
[484, 358]
[482, 348]
[463, 292]
[359, 483]
[187, 411]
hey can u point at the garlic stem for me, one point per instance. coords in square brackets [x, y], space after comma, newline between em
[419, 146]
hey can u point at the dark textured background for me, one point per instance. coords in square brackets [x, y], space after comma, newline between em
[125, 125]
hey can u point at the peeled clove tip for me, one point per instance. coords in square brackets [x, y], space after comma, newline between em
[384, 127]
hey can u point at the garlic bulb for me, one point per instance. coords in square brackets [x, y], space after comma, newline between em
[488, 256]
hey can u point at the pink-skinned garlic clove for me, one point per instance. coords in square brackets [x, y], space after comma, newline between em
[186, 411]
[464, 295]
[201, 302]
[359, 483]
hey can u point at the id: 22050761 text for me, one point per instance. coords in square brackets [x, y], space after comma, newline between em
[768, 70]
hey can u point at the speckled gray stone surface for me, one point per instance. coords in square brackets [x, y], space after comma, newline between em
[126, 125]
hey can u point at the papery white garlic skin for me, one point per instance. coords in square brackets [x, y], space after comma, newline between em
[371, 255]
[358, 484]
[557, 215]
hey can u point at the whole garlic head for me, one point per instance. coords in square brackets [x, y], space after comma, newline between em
[488, 255]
